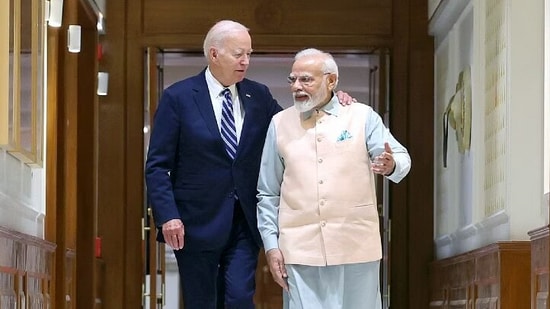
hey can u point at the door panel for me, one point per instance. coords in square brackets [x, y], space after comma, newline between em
[154, 296]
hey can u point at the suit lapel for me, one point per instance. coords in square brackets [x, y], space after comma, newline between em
[204, 104]
[247, 102]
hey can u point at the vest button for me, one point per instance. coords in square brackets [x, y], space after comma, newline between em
[323, 223]
[322, 203]
[319, 139]
[320, 182]
[320, 160]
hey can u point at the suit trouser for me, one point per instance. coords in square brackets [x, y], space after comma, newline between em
[221, 278]
[351, 286]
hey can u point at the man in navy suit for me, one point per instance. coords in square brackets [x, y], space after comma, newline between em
[203, 200]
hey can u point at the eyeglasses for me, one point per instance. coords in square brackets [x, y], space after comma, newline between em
[305, 80]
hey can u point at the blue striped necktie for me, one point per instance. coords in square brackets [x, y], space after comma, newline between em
[228, 131]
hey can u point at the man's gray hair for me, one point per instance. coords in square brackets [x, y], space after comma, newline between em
[329, 65]
[219, 32]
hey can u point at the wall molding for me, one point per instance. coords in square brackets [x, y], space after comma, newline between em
[490, 230]
[20, 217]
[445, 16]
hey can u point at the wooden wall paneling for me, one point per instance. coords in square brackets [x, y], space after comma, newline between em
[412, 123]
[56, 149]
[487, 283]
[539, 268]
[70, 137]
[53, 187]
[26, 269]
[288, 17]
[399, 75]
[35, 275]
[154, 263]
[515, 268]
[462, 277]
[69, 280]
[419, 140]
[275, 26]
[99, 289]
[120, 156]
[112, 187]
[8, 269]
[438, 287]
[70, 144]
[451, 283]
[495, 276]
[49, 270]
[86, 153]
[134, 173]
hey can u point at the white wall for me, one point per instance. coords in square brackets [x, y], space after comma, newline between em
[22, 206]
[494, 191]
[22, 186]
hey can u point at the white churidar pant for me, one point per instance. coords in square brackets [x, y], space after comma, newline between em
[351, 286]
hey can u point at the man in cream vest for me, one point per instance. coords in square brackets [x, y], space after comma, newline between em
[317, 210]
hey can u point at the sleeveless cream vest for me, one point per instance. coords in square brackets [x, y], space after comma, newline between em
[328, 213]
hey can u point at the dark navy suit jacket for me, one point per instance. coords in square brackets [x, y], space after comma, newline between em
[190, 176]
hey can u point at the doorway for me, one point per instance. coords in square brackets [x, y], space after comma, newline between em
[363, 75]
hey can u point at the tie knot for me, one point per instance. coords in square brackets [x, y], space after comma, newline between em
[226, 93]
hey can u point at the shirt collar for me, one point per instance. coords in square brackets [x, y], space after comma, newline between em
[215, 87]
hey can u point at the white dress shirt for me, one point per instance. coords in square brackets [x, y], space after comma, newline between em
[215, 88]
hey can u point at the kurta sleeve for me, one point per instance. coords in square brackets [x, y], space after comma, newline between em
[377, 134]
[269, 190]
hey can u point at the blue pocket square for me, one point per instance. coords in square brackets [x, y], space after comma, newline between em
[344, 136]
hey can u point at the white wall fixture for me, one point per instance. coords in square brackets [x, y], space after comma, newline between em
[102, 83]
[73, 38]
[55, 16]
[100, 24]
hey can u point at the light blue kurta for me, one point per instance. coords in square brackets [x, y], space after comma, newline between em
[349, 286]
[272, 169]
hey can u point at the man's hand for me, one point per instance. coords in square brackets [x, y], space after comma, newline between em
[276, 264]
[344, 98]
[384, 164]
[173, 232]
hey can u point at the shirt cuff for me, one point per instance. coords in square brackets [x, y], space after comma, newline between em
[270, 243]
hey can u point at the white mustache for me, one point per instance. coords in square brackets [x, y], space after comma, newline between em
[300, 93]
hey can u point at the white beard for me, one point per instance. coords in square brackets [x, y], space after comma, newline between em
[311, 102]
[304, 106]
